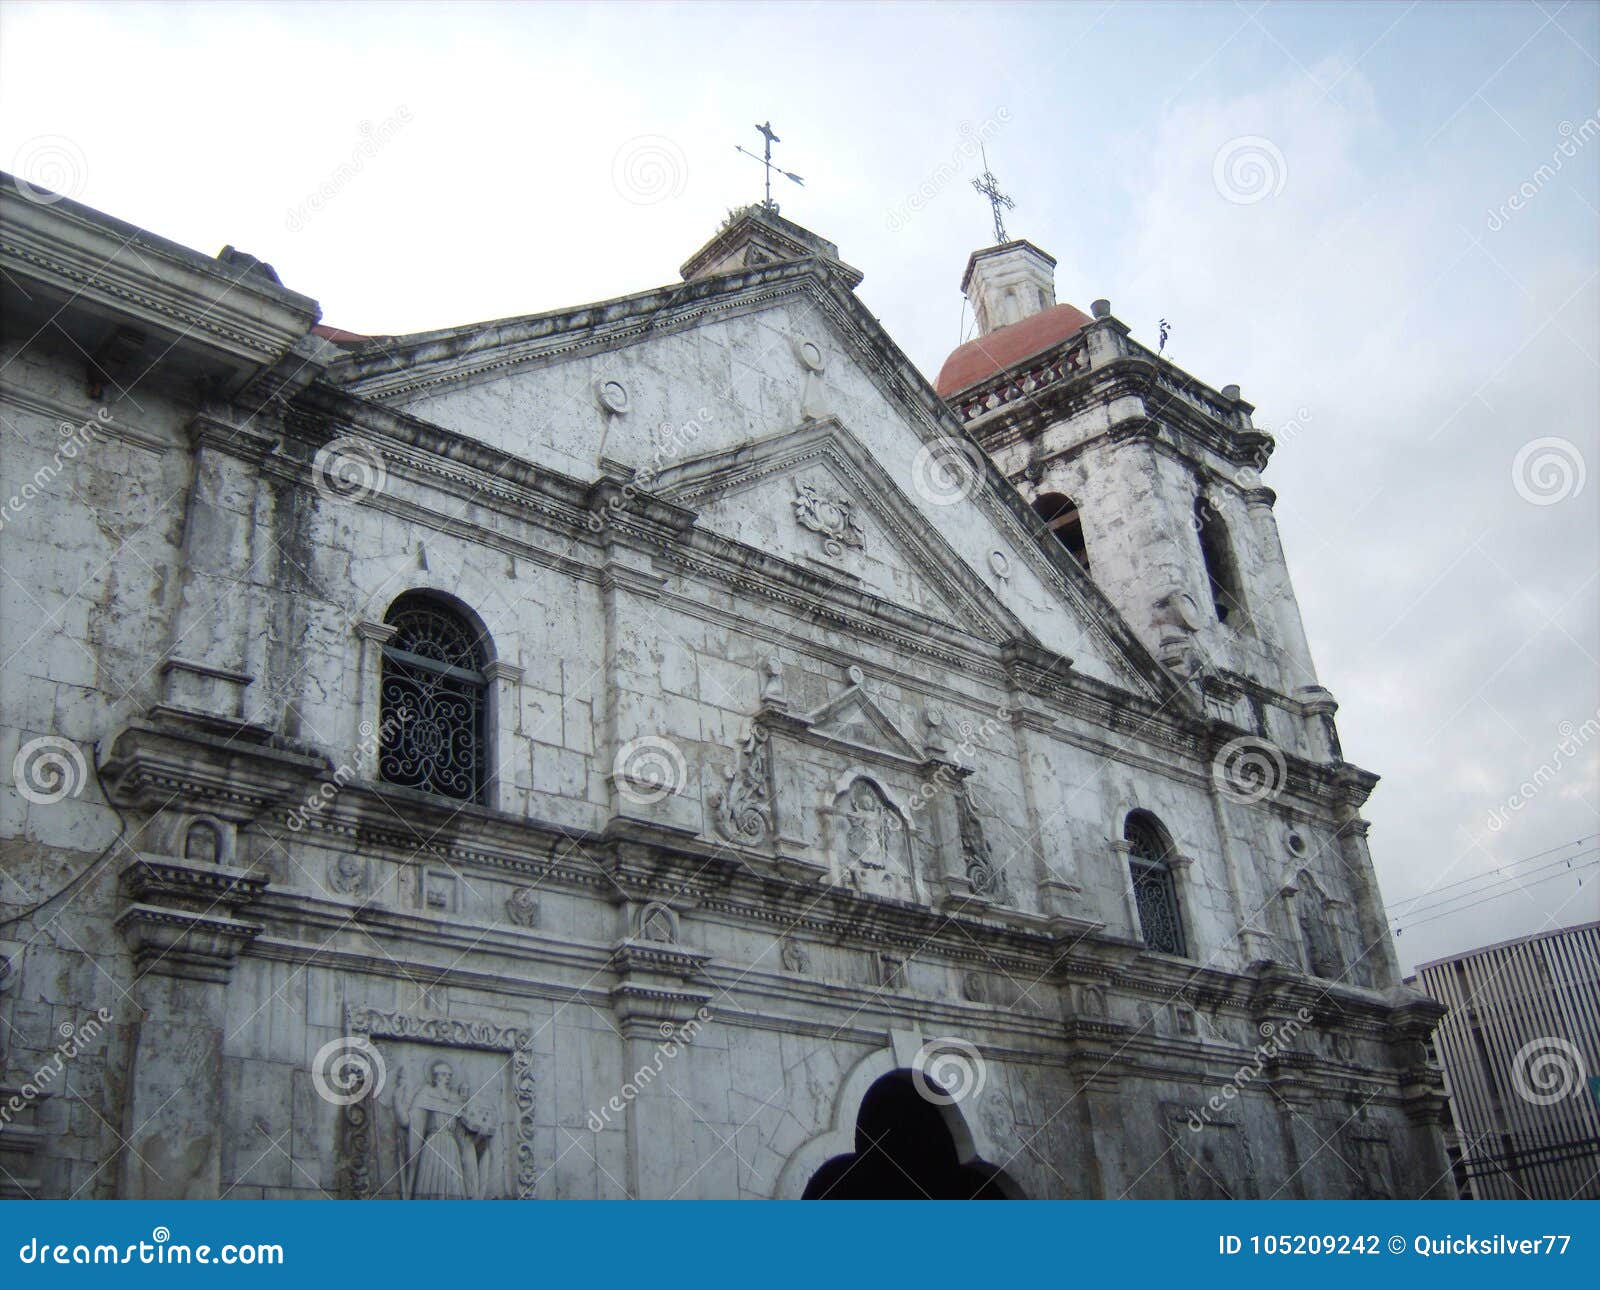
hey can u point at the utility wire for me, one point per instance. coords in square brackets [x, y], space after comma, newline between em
[1509, 864]
[1421, 904]
[1498, 895]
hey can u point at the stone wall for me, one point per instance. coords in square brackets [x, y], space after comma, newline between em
[785, 788]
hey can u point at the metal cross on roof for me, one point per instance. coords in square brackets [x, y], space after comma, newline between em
[989, 186]
[766, 160]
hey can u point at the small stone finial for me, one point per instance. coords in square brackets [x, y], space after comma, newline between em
[772, 695]
[1231, 393]
[1101, 308]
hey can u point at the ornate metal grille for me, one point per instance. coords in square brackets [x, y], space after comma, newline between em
[1154, 891]
[433, 711]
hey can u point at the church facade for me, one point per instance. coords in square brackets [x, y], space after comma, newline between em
[662, 748]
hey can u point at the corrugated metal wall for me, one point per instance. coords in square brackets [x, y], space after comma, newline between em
[1519, 1047]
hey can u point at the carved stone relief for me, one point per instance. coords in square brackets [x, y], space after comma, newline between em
[1209, 1163]
[349, 875]
[871, 848]
[744, 807]
[794, 956]
[986, 877]
[1369, 1162]
[658, 923]
[522, 907]
[891, 971]
[447, 1115]
[829, 516]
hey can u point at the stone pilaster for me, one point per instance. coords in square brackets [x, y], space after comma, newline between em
[219, 642]
[1379, 945]
[181, 922]
[659, 1013]
[1273, 576]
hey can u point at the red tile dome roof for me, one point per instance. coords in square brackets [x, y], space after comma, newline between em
[983, 356]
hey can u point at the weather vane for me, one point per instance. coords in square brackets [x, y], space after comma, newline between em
[766, 160]
[989, 186]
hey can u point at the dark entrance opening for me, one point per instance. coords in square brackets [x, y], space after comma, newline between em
[904, 1151]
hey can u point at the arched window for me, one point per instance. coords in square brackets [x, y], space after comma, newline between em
[1154, 891]
[434, 709]
[1227, 593]
[1061, 517]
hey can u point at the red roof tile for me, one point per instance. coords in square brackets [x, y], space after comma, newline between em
[1006, 346]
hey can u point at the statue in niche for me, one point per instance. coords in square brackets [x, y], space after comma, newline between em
[655, 924]
[445, 1135]
[1320, 919]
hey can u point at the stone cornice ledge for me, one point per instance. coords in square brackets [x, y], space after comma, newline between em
[145, 766]
[192, 300]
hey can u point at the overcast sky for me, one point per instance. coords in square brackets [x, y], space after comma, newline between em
[1318, 198]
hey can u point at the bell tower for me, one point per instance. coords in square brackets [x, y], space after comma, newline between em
[1150, 480]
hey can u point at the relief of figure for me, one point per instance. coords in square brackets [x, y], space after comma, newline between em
[873, 843]
[446, 1138]
[869, 827]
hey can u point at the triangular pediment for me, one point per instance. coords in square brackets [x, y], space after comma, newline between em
[815, 497]
[699, 374]
[854, 717]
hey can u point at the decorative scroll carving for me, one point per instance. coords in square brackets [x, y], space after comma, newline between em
[829, 516]
[986, 878]
[744, 807]
[425, 1131]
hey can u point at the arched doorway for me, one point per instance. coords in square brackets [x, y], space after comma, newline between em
[904, 1151]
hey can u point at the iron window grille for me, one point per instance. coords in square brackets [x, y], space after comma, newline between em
[433, 702]
[1154, 891]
